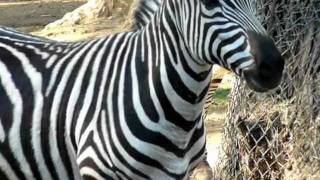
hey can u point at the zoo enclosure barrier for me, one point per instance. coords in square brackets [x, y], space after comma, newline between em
[277, 135]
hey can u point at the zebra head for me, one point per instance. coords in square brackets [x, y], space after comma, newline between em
[228, 33]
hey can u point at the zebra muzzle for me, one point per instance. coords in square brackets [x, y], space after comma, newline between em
[266, 73]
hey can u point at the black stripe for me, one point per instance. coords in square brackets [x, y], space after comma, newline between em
[144, 91]
[23, 83]
[61, 116]
[100, 129]
[228, 42]
[89, 162]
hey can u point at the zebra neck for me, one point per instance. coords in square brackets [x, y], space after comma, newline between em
[179, 82]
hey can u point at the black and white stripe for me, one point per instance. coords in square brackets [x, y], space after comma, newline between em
[145, 11]
[127, 106]
[143, 15]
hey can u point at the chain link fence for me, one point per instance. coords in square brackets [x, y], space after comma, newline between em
[277, 135]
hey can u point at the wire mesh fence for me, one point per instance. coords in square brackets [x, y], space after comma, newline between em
[277, 135]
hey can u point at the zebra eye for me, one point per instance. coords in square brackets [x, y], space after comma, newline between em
[210, 3]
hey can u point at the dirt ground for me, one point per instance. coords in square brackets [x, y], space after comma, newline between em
[33, 16]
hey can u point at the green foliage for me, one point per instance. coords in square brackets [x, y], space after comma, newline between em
[221, 97]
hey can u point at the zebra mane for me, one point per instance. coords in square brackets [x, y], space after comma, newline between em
[145, 11]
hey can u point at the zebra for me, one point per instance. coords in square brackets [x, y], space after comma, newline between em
[126, 106]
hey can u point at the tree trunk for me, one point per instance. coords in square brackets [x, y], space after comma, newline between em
[91, 10]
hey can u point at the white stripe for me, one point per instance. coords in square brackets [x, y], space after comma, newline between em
[121, 176]
[111, 114]
[193, 85]
[51, 60]
[244, 65]
[100, 98]
[36, 82]
[73, 157]
[232, 46]
[148, 149]
[2, 132]
[97, 112]
[7, 169]
[89, 153]
[187, 110]
[55, 155]
[217, 41]
[59, 49]
[153, 151]
[14, 133]
[90, 89]
[91, 172]
[57, 68]
[44, 55]
[117, 163]
[166, 128]
[75, 93]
